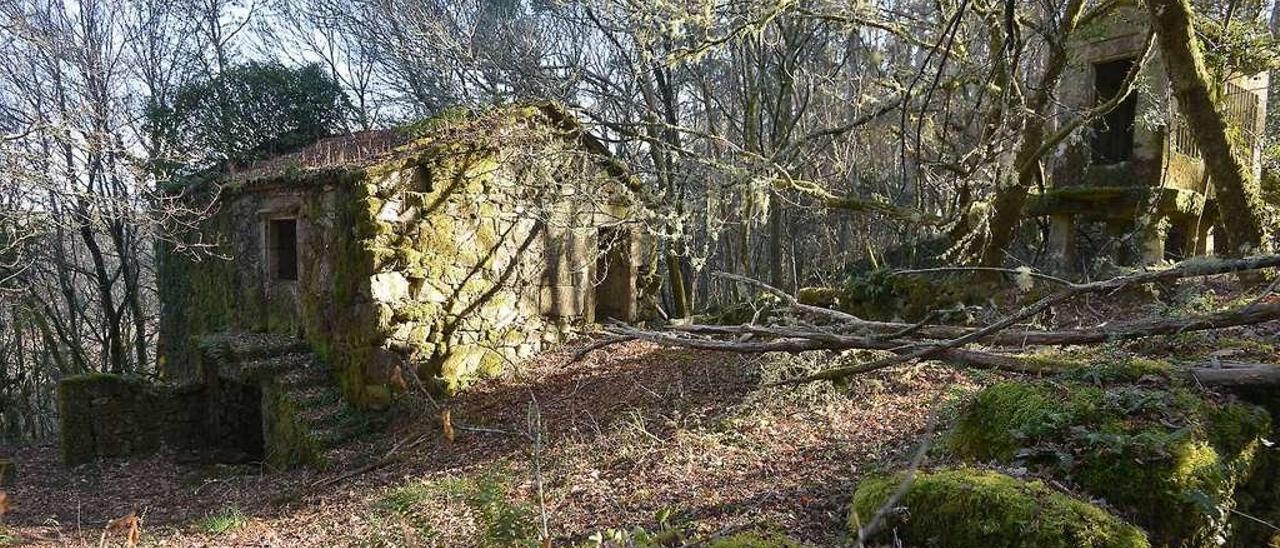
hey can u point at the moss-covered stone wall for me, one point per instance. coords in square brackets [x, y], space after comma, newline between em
[224, 285]
[473, 265]
[115, 416]
[468, 249]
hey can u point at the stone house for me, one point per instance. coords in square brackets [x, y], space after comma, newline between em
[424, 257]
[1133, 186]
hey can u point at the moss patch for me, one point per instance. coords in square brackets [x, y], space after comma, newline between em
[883, 294]
[751, 540]
[964, 508]
[1165, 456]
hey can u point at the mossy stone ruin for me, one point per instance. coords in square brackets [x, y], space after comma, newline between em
[429, 256]
[117, 416]
[1129, 440]
[964, 508]
[1134, 188]
[440, 253]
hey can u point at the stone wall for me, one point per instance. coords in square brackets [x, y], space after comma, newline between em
[469, 249]
[1118, 35]
[472, 273]
[116, 416]
[229, 289]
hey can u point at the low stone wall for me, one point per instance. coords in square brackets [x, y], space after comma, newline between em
[115, 416]
[262, 397]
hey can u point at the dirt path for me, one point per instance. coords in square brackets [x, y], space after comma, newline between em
[633, 434]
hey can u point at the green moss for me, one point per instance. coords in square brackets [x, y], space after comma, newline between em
[752, 540]
[819, 296]
[1108, 370]
[1165, 456]
[290, 441]
[884, 294]
[963, 508]
[1005, 417]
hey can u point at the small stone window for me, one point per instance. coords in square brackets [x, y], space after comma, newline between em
[282, 249]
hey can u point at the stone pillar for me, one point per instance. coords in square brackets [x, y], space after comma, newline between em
[1062, 240]
[1121, 251]
[1153, 240]
[1204, 230]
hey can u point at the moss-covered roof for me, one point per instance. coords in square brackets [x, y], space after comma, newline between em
[329, 159]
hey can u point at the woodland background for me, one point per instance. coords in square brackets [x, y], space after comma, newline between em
[797, 142]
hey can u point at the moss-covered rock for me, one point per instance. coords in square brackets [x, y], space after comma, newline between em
[886, 295]
[964, 508]
[1166, 457]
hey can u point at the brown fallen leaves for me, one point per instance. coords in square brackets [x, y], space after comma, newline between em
[446, 421]
[129, 526]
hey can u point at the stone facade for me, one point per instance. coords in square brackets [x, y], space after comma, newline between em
[1156, 195]
[442, 259]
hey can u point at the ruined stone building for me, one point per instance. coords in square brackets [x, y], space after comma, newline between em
[1133, 186]
[421, 258]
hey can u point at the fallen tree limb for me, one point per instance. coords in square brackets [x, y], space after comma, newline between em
[1237, 374]
[910, 342]
[1247, 315]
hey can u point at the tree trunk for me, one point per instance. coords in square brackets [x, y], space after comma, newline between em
[1007, 206]
[1238, 193]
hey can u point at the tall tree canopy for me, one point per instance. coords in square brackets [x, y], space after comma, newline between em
[251, 111]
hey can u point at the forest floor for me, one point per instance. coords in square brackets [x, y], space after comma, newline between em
[635, 436]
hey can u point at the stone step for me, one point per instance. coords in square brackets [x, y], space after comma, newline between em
[332, 437]
[244, 346]
[314, 396]
[273, 366]
[329, 415]
[314, 375]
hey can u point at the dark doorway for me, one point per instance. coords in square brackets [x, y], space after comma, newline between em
[233, 423]
[1177, 241]
[1112, 140]
[282, 249]
[615, 288]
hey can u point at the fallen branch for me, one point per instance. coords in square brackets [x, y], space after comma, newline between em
[1237, 374]
[911, 342]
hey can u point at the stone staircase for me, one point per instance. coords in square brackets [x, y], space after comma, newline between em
[304, 418]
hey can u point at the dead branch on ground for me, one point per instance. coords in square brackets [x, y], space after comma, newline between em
[809, 328]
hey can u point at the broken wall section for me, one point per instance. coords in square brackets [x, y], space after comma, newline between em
[117, 416]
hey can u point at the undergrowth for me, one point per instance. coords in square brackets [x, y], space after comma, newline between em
[225, 520]
[496, 519]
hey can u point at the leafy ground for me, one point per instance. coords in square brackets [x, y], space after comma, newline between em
[636, 436]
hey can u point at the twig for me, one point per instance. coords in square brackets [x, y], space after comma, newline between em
[872, 527]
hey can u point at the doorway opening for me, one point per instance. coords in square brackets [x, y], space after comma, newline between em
[615, 279]
[282, 249]
[1112, 140]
